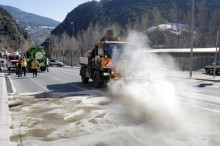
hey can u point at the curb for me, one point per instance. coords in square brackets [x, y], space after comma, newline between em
[4, 113]
[211, 80]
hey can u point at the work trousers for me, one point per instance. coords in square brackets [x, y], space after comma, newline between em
[34, 72]
[24, 70]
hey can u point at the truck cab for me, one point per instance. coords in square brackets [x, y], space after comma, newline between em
[101, 63]
[12, 59]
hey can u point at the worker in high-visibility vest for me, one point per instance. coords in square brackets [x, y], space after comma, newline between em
[18, 68]
[34, 67]
[47, 64]
[24, 66]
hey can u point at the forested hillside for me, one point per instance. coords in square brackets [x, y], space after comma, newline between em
[37, 27]
[11, 35]
[166, 22]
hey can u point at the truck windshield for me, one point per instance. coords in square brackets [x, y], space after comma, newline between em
[117, 48]
[13, 57]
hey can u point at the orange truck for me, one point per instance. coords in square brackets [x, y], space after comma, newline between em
[98, 64]
[11, 59]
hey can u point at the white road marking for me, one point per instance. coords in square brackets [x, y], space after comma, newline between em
[200, 107]
[45, 88]
[51, 77]
[201, 97]
[77, 87]
[55, 78]
[69, 72]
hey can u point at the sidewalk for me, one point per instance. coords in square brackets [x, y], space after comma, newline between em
[4, 113]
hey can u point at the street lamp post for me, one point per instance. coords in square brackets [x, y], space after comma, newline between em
[71, 48]
[192, 40]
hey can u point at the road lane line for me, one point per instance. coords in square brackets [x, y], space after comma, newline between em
[77, 87]
[200, 97]
[55, 79]
[200, 107]
[51, 77]
[72, 73]
[45, 88]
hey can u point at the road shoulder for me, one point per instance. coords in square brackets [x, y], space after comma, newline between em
[4, 112]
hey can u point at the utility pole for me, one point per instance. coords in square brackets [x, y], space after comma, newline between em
[216, 52]
[192, 40]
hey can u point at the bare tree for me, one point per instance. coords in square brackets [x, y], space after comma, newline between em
[53, 45]
[201, 38]
[129, 25]
[73, 48]
[144, 22]
[213, 27]
[157, 19]
[80, 39]
[64, 45]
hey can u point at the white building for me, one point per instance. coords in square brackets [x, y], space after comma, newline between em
[201, 56]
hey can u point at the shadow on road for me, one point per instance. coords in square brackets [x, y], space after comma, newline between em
[204, 85]
[71, 89]
[59, 89]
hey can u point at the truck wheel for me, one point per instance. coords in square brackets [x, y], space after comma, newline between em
[43, 68]
[84, 78]
[96, 79]
[207, 71]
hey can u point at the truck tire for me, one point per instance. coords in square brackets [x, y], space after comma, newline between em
[43, 68]
[84, 78]
[96, 79]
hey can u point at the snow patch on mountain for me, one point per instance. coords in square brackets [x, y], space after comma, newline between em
[176, 28]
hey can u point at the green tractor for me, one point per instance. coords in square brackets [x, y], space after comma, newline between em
[38, 53]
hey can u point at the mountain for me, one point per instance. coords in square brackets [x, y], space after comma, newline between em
[11, 35]
[106, 12]
[36, 26]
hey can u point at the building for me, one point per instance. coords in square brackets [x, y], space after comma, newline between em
[201, 56]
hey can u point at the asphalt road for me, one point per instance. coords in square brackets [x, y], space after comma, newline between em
[196, 126]
[198, 93]
[56, 80]
[65, 79]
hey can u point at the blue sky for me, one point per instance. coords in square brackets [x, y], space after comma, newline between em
[55, 9]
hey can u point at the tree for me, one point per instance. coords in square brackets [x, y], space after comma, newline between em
[144, 22]
[53, 45]
[201, 38]
[157, 19]
[64, 45]
[129, 25]
[213, 27]
[73, 48]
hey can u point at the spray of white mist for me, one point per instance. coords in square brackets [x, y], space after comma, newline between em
[146, 94]
[145, 91]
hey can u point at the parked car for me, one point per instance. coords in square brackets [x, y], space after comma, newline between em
[53, 62]
[210, 68]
